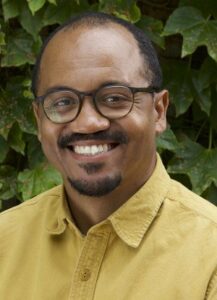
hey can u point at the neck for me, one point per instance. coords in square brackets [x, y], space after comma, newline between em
[89, 211]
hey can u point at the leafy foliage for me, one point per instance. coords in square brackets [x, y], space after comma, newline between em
[186, 40]
[198, 163]
[195, 29]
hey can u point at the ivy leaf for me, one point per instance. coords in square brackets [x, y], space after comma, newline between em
[198, 163]
[18, 109]
[208, 7]
[3, 149]
[2, 40]
[38, 180]
[10, 9]
[201, 82]
[130, 13]
[182, 19]
[209, 68]
[35, 5]
[124, 9]
[167, 140]
[52, 2]
[32, 24]
[63, 11]
[206, 93]
[153, 29]
[8, 182]
[177, 79]
[196, 30]
[20, 49]
[15, 139]
[4, 131]
[6, 120]
[211, 193]
[205, 35]
[34, 152]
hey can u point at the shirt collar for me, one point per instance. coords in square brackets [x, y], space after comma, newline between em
[132, 220]
[59, 213]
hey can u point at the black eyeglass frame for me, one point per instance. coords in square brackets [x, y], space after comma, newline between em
[82, 95]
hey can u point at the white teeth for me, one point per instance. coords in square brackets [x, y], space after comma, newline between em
[91, 150]
[94, 149]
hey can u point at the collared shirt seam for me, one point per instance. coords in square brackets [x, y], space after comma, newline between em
[199, 214]
[19, 207]
[33, 201]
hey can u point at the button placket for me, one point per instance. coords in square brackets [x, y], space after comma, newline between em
[85, 276]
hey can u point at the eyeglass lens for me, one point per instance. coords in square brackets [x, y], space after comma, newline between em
[112, 102]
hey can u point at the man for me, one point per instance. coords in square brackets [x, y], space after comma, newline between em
[119, 228]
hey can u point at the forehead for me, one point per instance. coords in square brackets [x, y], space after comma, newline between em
[96, 51]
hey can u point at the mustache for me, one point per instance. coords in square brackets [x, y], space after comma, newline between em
[116, 136]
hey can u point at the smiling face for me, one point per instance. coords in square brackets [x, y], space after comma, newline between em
[94, 154]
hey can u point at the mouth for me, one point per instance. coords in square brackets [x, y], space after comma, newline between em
[92, 150]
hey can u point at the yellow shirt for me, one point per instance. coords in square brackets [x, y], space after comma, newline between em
[160, 245]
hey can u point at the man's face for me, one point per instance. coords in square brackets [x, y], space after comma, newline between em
[94, 154]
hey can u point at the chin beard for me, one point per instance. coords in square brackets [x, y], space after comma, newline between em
[96, 188]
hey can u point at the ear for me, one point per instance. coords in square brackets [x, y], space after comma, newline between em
[37, 113]
[161, 102]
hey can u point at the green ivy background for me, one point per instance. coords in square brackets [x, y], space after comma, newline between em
[185, 35]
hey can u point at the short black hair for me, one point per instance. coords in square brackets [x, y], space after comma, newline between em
[94, 19]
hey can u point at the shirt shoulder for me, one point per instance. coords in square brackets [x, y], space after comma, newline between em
[192, 203]
[29, 210]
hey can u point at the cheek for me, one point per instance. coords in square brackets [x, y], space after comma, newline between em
[141, 131]
[141, 126]
[141, 149]
[48, 137]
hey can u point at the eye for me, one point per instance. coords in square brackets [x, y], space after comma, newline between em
[63, 102]
[115, 101]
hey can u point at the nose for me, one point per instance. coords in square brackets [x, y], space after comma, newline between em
[89, 119]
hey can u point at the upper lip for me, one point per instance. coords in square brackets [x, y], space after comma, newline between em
[90, 143]
[92, 139]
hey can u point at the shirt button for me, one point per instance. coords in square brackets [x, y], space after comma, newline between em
[85, 275]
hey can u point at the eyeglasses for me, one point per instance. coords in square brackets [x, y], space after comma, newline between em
[112, 101]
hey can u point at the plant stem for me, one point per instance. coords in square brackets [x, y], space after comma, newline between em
[210, 137]
[199, 131]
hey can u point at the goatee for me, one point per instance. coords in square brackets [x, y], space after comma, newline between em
[98, 188]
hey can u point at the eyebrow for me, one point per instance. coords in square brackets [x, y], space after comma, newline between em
[58, 88]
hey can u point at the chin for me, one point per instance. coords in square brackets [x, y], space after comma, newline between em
[96, 188]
